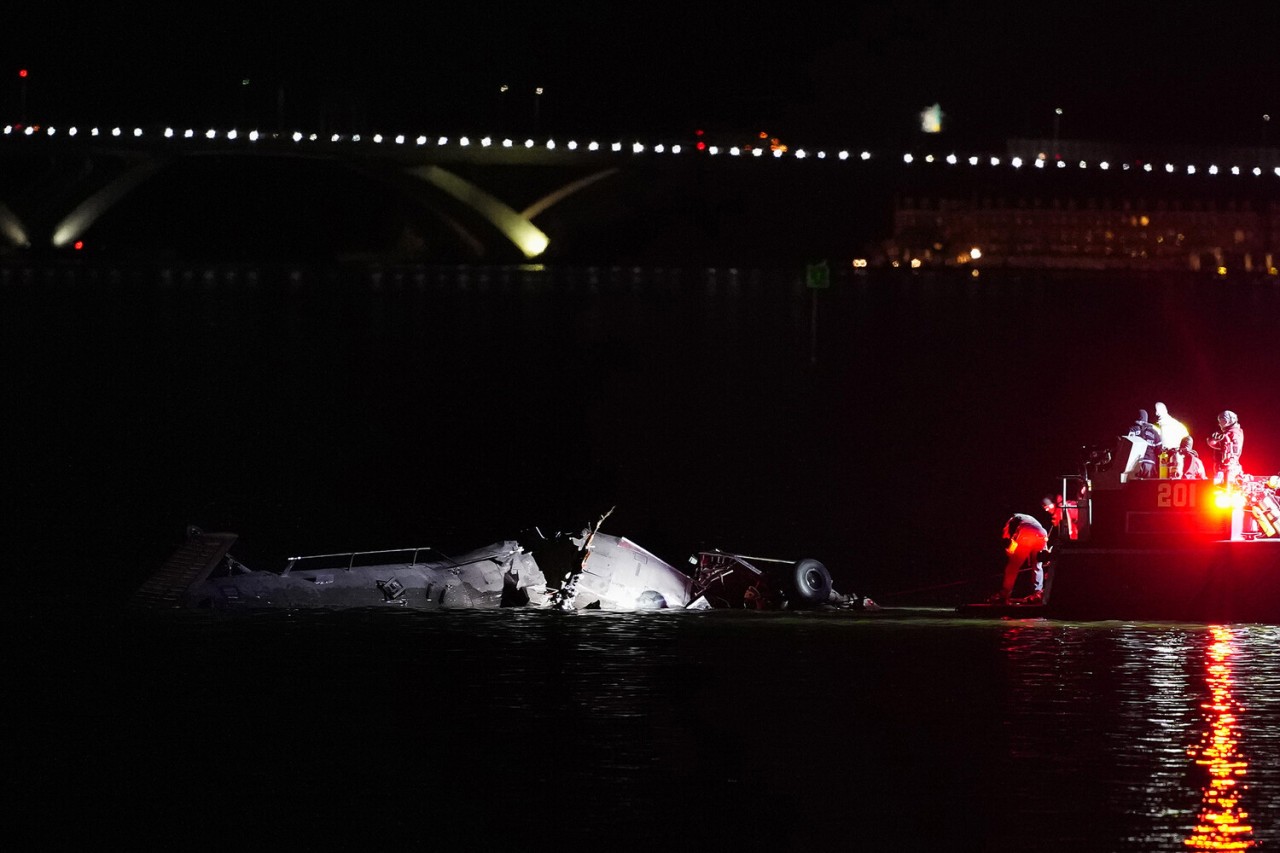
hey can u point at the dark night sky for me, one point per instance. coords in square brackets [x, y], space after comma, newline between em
[1171, 72]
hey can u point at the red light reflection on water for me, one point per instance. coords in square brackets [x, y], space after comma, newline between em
[1222, 823]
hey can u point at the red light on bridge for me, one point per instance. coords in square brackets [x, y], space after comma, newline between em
[22, 72]
[78, 245]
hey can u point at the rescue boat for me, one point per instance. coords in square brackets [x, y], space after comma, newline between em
[1158, 549]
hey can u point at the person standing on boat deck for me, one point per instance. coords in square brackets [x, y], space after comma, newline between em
[1145, 430]
[1172, 431]
[1026, 538]
[1228, 441]
[1191, 465]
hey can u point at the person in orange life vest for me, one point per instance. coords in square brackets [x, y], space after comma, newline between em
[1192, 464]
[1229, 442]
[1027, 538]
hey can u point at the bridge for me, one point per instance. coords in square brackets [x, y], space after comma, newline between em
[188, 194]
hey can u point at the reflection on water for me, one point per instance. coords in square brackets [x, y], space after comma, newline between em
[1223, 821]
[726, 730]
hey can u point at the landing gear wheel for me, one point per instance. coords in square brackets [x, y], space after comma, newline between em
[808, 583]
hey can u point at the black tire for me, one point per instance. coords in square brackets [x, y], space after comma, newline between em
[808, 583]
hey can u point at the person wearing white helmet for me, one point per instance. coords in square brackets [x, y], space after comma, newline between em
[1172, 431]
[1228, 441]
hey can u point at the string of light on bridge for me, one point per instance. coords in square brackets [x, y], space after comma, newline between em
[1042, 161]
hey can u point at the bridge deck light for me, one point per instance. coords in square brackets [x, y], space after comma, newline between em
[399, 139]
[420, 141]
[442, 141]
[866, 155]
[843, 155]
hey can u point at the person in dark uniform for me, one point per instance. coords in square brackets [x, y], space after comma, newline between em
[1026, 539]
[1145, 430]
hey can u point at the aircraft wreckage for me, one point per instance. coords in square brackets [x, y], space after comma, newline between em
[592, 570]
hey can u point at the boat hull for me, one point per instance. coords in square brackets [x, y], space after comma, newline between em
[1219, 581]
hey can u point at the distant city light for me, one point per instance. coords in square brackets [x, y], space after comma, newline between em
[931, 119]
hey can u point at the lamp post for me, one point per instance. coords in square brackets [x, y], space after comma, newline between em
[537, 101]
[1057, 119]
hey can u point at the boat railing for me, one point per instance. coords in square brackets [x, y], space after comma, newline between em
[352, 558]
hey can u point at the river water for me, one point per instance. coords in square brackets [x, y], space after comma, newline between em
[886, 426]
[732, 730]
